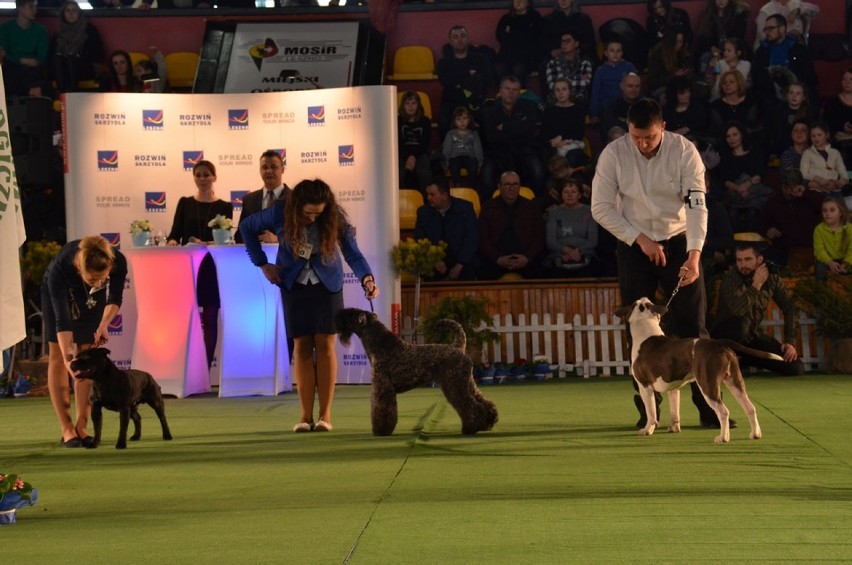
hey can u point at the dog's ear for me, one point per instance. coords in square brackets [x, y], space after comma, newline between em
[624, 311]
[362, 318]
[373, 316]
[102, 351]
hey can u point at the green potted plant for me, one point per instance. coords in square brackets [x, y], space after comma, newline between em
[471, 313]
[831, 304]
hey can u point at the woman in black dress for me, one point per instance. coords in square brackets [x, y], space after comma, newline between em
[192, 215]
[82, 292]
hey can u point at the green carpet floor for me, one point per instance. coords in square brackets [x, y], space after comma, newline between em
[562, 478]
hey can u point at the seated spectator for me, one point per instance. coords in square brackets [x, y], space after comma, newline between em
[569, 65]
[77, 50]
[662, 16]
[519, 35]
[837, 114]
[509, 127]
[465, 76]
[735, 104]
[511, 232]
[463, 149]
[682, 113]
[794, 11]
[822, 166]
[23, 51]
[779, 60]
[800, 136]
[833, 240]
[719, 20]
[744, 295]
[571, 234]
[669, 59]
[741, 170]
[730, 58]
[563, 126]
[788, 221]
[453, 220]
[415, 134]
[151, 72]
[615, 113]
[566, 15]
[560, 170]
[121, 77]
[796, 107]
[606, 82]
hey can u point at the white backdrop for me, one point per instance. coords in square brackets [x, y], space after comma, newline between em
[129, 156]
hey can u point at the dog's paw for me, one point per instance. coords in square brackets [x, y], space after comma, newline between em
[121, 445]
[674, 428]
[167, 437]
[135, 437]
[757, 434]
[722, 438]
[648, 431]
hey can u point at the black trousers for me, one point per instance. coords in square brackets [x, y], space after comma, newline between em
[638, 277]
[737, 328]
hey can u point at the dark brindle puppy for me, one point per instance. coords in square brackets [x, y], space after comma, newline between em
[121, 391]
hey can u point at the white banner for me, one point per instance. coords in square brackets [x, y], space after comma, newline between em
[297, 56]
[12, 236]
[129, 156]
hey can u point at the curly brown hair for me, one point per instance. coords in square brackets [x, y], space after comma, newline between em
[332, 222]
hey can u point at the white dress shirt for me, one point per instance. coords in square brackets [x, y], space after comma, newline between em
[632, 194]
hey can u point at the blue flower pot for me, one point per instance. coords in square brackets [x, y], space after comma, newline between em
[141, 239]
[8, 517]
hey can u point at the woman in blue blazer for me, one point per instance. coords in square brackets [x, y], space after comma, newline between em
[309, 270]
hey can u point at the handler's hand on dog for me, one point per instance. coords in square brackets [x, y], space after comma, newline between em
[270, 271]
[788, 352]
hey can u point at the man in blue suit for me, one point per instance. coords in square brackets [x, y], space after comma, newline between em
[450, 219]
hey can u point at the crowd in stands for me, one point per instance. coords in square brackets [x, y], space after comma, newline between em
[73, 59]
[777, 154]
[528, 106]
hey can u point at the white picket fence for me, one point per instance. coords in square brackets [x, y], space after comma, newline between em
[589, 348]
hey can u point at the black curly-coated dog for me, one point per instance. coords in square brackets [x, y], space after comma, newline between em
[399, 366]
[121, 391]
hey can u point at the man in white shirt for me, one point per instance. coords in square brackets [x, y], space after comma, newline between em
[648, 191]
[274, 191]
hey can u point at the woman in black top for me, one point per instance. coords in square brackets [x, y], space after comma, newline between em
[81, 293]
[192, 217]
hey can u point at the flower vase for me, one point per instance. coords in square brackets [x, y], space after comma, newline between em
[8, 516]
[141, 239]
[221, 237]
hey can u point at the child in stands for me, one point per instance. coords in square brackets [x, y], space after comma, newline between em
[606, 83]
[833, 240]
[463, 149]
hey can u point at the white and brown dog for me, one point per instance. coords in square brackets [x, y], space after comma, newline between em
[666, 364]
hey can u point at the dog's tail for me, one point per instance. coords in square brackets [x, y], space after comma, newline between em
[450, 329]
[749, 351]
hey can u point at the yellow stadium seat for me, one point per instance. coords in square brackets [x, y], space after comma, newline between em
[180, 68]
[525, 192]
[511, 276]
[409, 201]
[750, 236]
[135, 57]
[413, 62]
[424, 101]
[468, 194]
